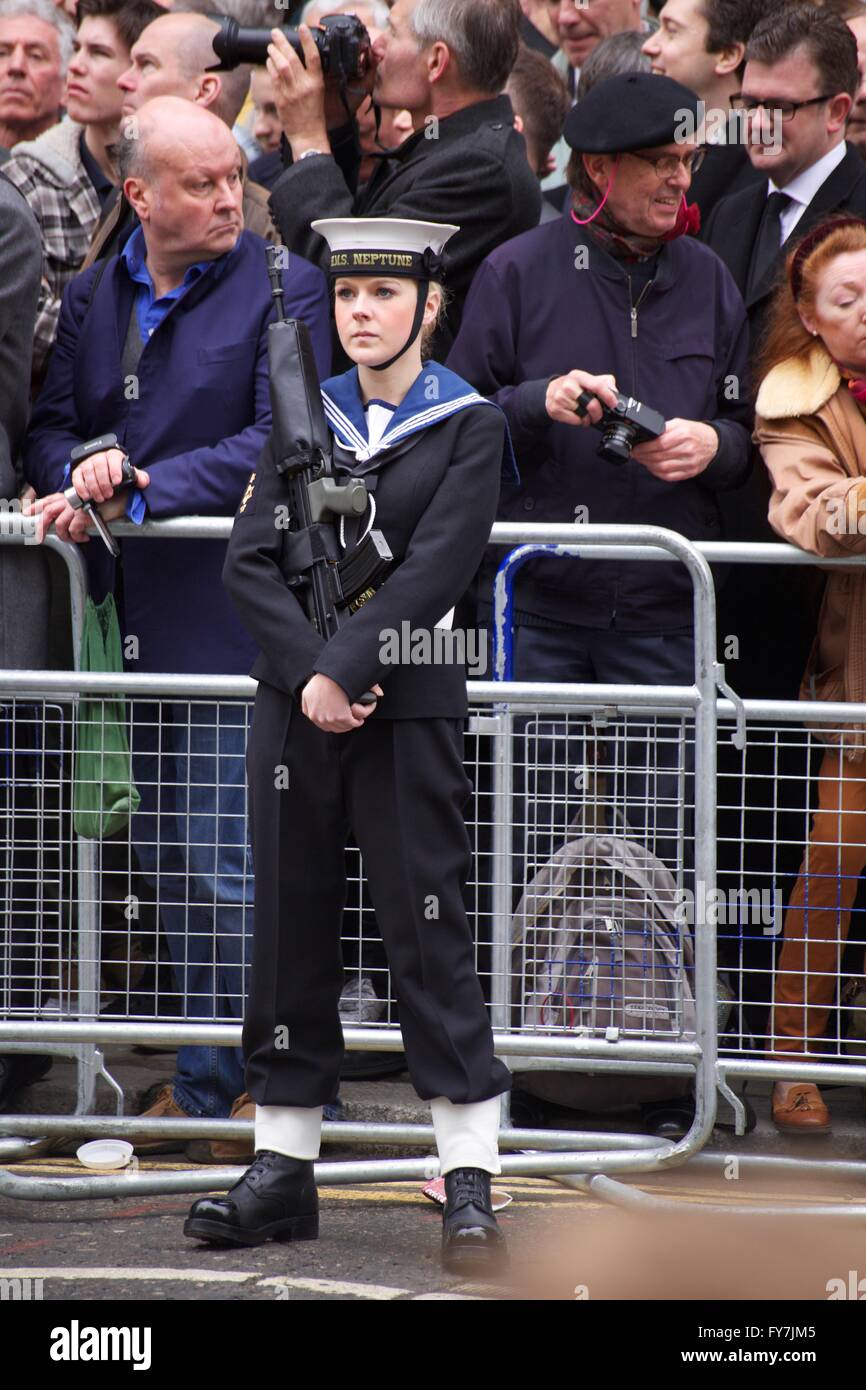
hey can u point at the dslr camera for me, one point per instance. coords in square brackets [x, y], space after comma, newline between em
[629, 423]
[342, 41]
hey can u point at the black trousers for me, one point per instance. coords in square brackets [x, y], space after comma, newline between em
[401, 788]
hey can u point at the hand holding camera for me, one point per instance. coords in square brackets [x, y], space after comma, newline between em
[318, 84]
[683, 451]
[98, 471]
[101, 475]
[563, 393]
[628, 423]
[672, 450]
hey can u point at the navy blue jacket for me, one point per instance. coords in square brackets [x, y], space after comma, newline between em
[197, 422]
[536, 311]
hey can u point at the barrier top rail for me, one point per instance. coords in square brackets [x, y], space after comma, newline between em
[15, 530]
[603, 541]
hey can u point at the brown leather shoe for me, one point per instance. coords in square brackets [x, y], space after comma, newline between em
[802, 1111]
[227, 1150]
[163, 1106]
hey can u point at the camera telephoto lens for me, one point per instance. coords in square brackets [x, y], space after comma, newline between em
[342, 41]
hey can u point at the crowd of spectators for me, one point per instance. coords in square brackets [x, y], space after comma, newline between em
[631, 183]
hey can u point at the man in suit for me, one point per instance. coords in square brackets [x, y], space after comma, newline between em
[447, 63]
[167, 349]
[23, 632]
[800, 80]
[702, 43]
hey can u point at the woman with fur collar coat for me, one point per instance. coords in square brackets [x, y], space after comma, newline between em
[811, 429]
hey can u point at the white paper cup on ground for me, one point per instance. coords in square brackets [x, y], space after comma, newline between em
[105, 1153]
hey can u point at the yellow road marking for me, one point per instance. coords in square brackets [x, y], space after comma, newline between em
[527, 1191]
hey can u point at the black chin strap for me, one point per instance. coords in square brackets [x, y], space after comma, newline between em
[423, 287]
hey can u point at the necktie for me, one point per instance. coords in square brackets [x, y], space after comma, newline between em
[768, 240]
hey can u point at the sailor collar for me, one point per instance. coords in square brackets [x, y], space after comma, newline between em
[435, 394]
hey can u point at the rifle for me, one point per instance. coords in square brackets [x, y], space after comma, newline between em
[334, 585]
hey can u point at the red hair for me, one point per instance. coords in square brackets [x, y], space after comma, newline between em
[786, 335]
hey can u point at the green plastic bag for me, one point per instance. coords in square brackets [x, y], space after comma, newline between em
[104, 795]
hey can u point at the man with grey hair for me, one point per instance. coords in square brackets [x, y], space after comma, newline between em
[35, 47]
[447, 62]
[172, 57]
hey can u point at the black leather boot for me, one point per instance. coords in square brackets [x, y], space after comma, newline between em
[472, 1243]
[276, 1199]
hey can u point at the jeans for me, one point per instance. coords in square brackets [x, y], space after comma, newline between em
[191, 839]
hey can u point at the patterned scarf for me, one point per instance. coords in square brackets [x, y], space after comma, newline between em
[857, 387]
[617, 240]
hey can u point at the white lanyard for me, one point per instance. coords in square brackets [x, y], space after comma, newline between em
[369, 526]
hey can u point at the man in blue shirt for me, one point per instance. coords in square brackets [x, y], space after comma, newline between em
[166, 347]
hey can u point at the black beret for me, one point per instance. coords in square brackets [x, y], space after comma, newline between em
[633, 111]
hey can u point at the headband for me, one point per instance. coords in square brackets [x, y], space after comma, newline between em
[812, 240]
[415, 265]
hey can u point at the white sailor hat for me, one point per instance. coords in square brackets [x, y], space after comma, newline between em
[385, 245]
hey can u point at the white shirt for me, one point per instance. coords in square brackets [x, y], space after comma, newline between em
[803, 188]
[378, 415]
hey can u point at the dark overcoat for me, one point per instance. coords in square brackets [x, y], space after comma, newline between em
[469, 169]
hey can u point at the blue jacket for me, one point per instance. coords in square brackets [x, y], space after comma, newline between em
[197, 419]
[550, 301]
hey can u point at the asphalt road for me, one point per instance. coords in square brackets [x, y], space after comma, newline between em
[381, 1243]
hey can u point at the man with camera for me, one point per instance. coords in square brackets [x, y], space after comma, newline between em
[447, 63]
[649, 312]
[165, 346]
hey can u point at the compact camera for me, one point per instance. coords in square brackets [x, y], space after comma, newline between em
[627, 424]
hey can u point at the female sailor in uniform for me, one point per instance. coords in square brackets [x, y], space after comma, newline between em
[322, 764]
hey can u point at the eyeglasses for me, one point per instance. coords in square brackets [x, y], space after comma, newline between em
[666, 165]
[787, 109]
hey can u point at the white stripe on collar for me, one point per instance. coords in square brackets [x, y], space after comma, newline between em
[425, 417]
[342, 424]
[352, 439]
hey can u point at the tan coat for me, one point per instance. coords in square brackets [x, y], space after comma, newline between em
[812, 435]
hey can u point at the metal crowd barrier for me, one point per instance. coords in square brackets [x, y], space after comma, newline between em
[608, 723]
